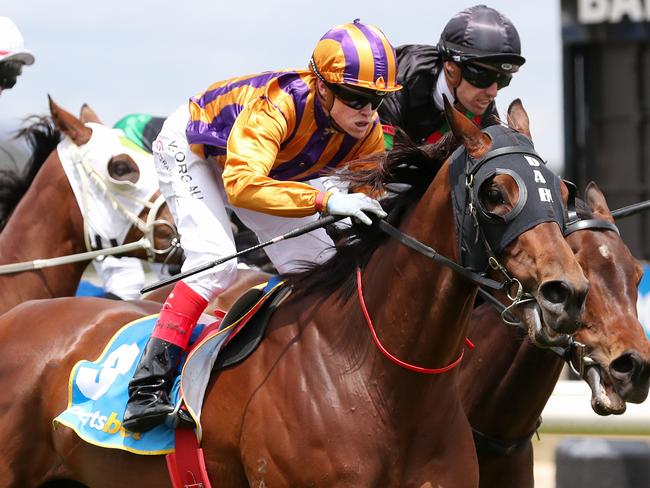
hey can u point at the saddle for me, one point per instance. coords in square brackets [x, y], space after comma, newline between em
[251, 313]
[248, 319]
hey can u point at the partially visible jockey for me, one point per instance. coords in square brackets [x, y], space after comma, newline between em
[13, 55]
[478, 52]
[252, 143]
[142, 129]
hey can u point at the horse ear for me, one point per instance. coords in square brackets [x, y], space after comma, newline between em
[518, 118]
[87, 114]
[476, 142]
[596, 201]
[69, 124]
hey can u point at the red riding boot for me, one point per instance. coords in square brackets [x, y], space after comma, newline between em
[149, 402]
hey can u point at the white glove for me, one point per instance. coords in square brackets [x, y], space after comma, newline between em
[353, 205]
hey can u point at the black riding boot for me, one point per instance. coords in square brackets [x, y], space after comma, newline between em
[149, 389]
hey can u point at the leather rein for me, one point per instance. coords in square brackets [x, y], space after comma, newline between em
[509, 284]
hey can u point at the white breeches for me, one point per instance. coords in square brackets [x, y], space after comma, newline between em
[194, 191]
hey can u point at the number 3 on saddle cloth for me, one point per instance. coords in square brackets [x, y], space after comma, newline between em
[98, 389]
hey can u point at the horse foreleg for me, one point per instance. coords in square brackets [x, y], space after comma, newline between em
[98, 467]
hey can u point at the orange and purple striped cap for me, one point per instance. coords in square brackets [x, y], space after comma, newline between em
[356, 54]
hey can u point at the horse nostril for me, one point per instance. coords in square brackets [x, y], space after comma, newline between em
[625, 364]
[555, 291]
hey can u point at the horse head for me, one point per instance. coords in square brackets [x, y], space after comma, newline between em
[116, 186]
[514, 205]
[611, 352]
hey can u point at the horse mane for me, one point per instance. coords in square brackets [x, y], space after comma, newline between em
[398, 178]
[42, 138]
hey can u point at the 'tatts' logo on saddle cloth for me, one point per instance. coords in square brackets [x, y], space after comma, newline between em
[110, 425]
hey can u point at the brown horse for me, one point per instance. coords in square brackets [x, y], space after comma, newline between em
[506, 383]
[47, 221]
[317, 404]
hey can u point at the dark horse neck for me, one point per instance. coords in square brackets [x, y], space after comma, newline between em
[521, 377]
[46, 223]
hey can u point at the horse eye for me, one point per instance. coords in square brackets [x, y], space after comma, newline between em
[121, 169]
[494, 196]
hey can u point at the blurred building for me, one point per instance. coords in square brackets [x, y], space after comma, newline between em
[606, 51]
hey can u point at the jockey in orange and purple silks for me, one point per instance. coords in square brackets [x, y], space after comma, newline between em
[253, 143]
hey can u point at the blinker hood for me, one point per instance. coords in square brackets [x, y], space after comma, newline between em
[480, 232]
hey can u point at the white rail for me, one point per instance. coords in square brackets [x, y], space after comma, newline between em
[568, 411]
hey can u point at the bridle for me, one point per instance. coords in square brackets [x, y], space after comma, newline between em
[507, 286]
[89, 175]
[575, 223]
[574, 353]
[566, 345]
[510, 285]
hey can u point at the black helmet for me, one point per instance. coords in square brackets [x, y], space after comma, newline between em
[481, 33]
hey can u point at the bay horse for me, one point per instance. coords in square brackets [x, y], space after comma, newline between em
[42, 218]
[317, 403]
[507, 381]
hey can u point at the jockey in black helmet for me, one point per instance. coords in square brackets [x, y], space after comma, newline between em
[478, 52]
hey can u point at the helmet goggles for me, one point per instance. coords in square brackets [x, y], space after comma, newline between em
[356, 99]
[9, 71]
[481, 77]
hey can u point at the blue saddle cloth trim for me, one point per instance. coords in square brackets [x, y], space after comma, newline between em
[98, 394]
[274, 281]
[98, 389]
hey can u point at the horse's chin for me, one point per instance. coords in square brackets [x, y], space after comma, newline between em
[540, 334]
[604, 399]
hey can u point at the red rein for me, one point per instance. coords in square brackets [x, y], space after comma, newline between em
[399, 362]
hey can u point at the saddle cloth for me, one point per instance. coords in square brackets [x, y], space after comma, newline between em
[97, 391]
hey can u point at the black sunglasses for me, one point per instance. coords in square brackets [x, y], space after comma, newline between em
[356, 100]
[483, 77]
[9, 71]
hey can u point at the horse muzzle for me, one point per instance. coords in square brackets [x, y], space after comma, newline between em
[630, 374]
[562, 305]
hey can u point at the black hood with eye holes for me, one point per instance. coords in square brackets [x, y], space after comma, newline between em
[540, 198]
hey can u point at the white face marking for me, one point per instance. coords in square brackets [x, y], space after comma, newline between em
[604, 251]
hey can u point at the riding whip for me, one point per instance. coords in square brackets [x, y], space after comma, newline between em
[330, 219]
[631, 209]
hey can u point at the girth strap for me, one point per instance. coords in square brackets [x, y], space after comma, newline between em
[502, 447]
